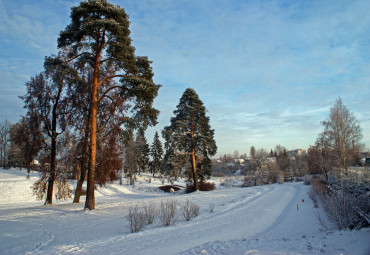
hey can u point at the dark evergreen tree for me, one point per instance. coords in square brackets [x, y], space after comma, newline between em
[252, 152]
[143, 157]
[131, 159]
[99, 37]
[26, 139]
[172, 163]
[283, 160]
[156, 151]
[191, 135]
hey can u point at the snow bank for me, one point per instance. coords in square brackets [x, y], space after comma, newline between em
[15, 188]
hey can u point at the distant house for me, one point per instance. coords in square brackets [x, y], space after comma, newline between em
[367, 161]
[301, 152]
[239, 161]
[229, 162]
[35, 162]
[296, 152]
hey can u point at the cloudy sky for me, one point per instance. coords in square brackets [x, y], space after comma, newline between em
[267, 71]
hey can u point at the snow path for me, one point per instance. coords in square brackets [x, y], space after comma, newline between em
[255, 220]
[207, 227]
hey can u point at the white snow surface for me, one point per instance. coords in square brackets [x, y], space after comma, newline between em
[255, 220]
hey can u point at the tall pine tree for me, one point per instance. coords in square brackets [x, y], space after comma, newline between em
[143, 157]
[191, 135]
[99, 37]
[156, 151]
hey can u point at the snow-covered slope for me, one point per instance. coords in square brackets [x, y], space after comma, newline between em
[256, 220]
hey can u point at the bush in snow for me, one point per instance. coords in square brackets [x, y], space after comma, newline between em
[136, 218]
[211, 207]
[203, 186]
[167, 212]
[250, 179]
[189, 188]
[63, 189]
[341, 210]
[150, 213]
[39, 187]
[218, 174]
[190, 210]
[340, 207]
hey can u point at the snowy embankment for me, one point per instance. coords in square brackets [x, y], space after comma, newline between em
[256, 220]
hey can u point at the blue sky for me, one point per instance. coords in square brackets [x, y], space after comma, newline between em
[267, 71]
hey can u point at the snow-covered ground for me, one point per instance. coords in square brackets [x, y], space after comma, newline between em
[255, 220]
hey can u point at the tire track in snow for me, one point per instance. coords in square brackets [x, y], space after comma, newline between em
[272, 208]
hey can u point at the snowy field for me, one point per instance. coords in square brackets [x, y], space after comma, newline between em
[256, 220]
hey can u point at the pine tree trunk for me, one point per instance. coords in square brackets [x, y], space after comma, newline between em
[194, 166]
[90, 196]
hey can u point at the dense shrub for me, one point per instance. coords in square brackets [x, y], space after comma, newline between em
[218, 174]
[249, 180]
[189, 210]
[341, 208]
[62, 188]
[150, 213]
[167, 212]
[207, 186]
[319, 186]
[203, 186]
[136, 218]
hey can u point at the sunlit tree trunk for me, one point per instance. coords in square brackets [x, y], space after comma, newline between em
[90, 196]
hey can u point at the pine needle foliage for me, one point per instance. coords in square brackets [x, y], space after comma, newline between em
[156, 151]
[98, 38]
[190, 136]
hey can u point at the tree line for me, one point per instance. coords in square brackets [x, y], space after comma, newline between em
[336, 148]
[263, 167]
